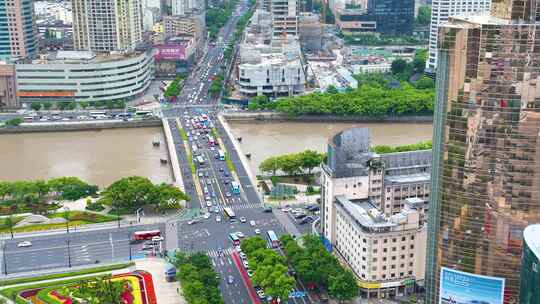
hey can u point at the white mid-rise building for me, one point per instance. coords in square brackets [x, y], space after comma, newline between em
[372, 207]
[440, 11]
[271, 70]
[107, 25]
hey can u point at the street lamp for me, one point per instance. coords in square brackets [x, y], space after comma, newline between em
[66, 217]
[117, 214]
[129, 244]
[4, 256]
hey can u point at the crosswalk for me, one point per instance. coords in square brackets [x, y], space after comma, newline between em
[215, 254]
[241, 206]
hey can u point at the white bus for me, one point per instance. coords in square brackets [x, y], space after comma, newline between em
[229, 212]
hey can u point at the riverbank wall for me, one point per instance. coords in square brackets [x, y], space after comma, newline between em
[275, 116]
[173, 157]
[80, 126]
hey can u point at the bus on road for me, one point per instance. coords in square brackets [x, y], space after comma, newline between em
[200, 160]
[229, 212]
[145, 235]
[234, 239]
[221, 154]
[273, 240]
[235, 187]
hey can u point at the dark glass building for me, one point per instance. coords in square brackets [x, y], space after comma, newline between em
[530, 266]
[393, 17]
[486, 146]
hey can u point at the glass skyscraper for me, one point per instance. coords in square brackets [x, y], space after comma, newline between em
[486, 148]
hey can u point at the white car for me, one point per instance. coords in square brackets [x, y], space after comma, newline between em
[208, 204]
[257, 231]
[240, 234]
[218, 218]
[25, 244]
[245, 264]
[252, 223]
[206, 215]
[286, 209]
[242, 219]
[157, 239]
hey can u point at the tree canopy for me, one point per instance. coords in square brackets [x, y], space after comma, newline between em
[315, 265]
[131, 193]
[293, 163]
[424, 15]
[199, 280]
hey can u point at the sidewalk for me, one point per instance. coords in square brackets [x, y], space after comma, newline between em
[166, 292]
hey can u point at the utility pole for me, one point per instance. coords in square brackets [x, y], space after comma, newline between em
[4, 256]
[69, 253]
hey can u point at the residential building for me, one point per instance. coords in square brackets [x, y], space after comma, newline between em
[486, 145]
[182, 7]
[284, 18]
[84, 76]
[530, 266]
[380, 197]
[18, 31]
[391, 17]
[8, 87]
[271, 70]
[440, 11]
[188, 25]
[107, 25]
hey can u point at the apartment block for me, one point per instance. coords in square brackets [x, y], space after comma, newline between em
[284, 18]
[107, 25]
[8, 87]
[18, 33]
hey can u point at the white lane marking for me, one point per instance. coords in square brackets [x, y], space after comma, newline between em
[112, 244]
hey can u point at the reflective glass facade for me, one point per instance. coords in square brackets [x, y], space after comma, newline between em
[486, 156]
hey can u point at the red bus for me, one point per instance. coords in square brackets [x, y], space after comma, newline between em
[145, 235]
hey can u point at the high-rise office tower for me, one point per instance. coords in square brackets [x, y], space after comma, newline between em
[284, 17]
[107, 25]
[486, 153]
[182, 7]
[440, 11]
[18, 29]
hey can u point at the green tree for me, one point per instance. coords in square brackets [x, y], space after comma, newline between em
[252, 244]
[310, 159]
[424, 15]
[398, 66]
[47, 105]
[84, 105]
[290, 163]
[36, 106]
[71, 188]
[270, 164]
[14, 122]
[425, 83]
[332, 90]
[342, 286]
[134, 192]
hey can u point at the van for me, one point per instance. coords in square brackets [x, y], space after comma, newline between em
[205, 190]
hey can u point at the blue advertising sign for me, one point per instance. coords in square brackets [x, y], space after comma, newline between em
[458, 287]
[297, 294]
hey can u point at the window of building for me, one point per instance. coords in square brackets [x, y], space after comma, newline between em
[364, 249]
[412, 237]
[374, 250]
[384, 268]
[402, 247]
[403, 239]
[385, 241]
[374, 260]
[364, 241]
[374, 268]
[410, 264]
[375, 242]
[384, 259]
[383, 276]
[402, 265]
[394, 248]
[393, 275]
[385, 250]
[412, 246]
[402, 256]
[410, 272]
[401, 274]
[411, 255]
[394, 240]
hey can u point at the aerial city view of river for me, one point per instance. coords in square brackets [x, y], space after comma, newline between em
[266, 139]
[99, 157]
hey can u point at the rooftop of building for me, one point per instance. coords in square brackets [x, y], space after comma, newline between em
[255, 54]
[466, 20]
[369, 217]
[408, 178]
[74, 57]
[531, 235]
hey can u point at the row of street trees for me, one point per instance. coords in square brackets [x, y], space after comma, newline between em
[174, 88]
[72, 105]
[199, 281]
[216, 17]
[269, 268]
[131, 193]
[21, 196]
[216, 86]
[292, 164]
[315, 266]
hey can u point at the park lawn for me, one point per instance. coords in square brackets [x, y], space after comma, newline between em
[77, 218]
